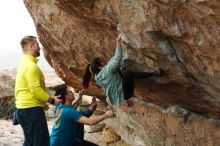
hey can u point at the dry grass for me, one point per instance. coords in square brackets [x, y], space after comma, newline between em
[7, 106]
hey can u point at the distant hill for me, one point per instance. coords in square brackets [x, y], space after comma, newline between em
[7, 82]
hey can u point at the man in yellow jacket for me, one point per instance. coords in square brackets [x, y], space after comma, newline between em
[31, 96]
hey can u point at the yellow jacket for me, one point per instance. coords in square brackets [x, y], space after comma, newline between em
[30, 90]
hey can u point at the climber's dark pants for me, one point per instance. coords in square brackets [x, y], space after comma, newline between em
[128, 81]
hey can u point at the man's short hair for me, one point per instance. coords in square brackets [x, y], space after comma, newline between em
[26, 40]
[62, 91]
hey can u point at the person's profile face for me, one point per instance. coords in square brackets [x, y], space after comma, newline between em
[70, 95]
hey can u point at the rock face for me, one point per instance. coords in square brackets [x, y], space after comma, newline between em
[145, 124]
[180, 36]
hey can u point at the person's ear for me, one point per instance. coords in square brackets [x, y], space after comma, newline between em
[31, 46]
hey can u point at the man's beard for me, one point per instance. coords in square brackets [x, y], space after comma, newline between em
[37, 54]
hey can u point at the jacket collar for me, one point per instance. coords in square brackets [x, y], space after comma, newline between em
[30, 58]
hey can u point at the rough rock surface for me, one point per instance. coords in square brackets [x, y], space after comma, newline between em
[7, 82]
[180, 36]
[146, 124]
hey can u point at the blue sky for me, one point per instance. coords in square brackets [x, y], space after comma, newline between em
[15, 23]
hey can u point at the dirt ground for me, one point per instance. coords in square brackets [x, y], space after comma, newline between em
[11, 135]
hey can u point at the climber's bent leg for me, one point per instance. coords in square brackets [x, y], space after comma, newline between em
[128, 80]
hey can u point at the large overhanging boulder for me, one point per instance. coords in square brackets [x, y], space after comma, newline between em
[180, 36]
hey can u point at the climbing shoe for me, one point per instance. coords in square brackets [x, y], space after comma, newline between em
[158, 73]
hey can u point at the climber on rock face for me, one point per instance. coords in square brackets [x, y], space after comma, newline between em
[117, 85]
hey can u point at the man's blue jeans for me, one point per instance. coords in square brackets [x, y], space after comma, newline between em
[34, 125]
